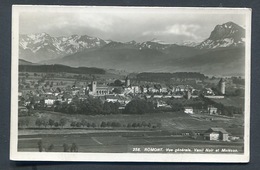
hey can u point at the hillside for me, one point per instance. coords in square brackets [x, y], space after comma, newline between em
[24, 62]
[224, 61]
[60, 68]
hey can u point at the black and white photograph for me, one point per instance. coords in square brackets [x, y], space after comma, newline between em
[130, 84]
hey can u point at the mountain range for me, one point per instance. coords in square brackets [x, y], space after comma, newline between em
[222, 53]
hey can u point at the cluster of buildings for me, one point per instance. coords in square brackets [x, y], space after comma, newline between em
[122, 93]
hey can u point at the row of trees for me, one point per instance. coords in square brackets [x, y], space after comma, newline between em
[51, 147]
[91, 106]
[50, 123]
[44, 122]
[114, 124]
[94, 106]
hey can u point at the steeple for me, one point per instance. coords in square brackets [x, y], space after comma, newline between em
[222, 86]
[127, 82]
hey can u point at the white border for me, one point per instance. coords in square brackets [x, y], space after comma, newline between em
[124, 157]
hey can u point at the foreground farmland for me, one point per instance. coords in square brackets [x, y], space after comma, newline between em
[172, 132]
[120, 142]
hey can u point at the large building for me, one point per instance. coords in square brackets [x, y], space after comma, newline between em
[99, 90]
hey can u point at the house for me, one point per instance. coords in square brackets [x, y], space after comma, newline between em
[180, 88]
[47, 92]
[49, 100]
[208, 91]
[163, 89]
[117, 98]
[153, 90]
[22, 111]
[188, 110]
[19, 94]
[67, 97]
[183, 88]
[158, 96]
[135, 89]
[212, 110]
[144, 89]
[162, 104]
[216, 134]
[112, 98]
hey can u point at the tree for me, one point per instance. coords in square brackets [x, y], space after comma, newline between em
[38, 122]
[78, 124]
[193, 135]
[40, 146]
[93, 125]
[117, 83]
[113, 124]
[56, 124]
[51, 147]
[107, 108]
[65, 147]
[129, 125]
[26, 75]
[139, 107]
[74, 147]
[108, 124]
[73, 124]
[44, 122]
[103, 124]
[51, 122]
[144, 124]
[83, 122]
[63, 122]
[134, 125]
[21, 122]
[117, 90]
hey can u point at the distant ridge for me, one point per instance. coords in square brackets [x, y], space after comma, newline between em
[24, 62]
[56, 68]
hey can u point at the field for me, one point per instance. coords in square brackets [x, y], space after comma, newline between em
[169, 121]
[231, 101]
[123, 139]
[120, 142]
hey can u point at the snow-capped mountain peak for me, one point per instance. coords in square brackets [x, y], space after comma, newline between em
[42, 44]
[225, 35]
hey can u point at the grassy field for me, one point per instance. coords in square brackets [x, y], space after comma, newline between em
[125, 139]
[119, 142]
[169, 121]
[231, 101]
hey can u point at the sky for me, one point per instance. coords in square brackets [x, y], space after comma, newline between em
[167, 25]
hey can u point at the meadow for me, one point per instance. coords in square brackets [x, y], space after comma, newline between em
[123, 138]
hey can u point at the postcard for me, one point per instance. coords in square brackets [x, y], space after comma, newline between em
[130, 84]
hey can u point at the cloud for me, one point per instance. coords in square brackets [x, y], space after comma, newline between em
[124, 24]
[179, 30]
[96, 21]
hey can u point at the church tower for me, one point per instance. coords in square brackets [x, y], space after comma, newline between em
[94, 87]
[127, 82]
[222, 86]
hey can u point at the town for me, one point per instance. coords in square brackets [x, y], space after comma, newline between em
[41, 91]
